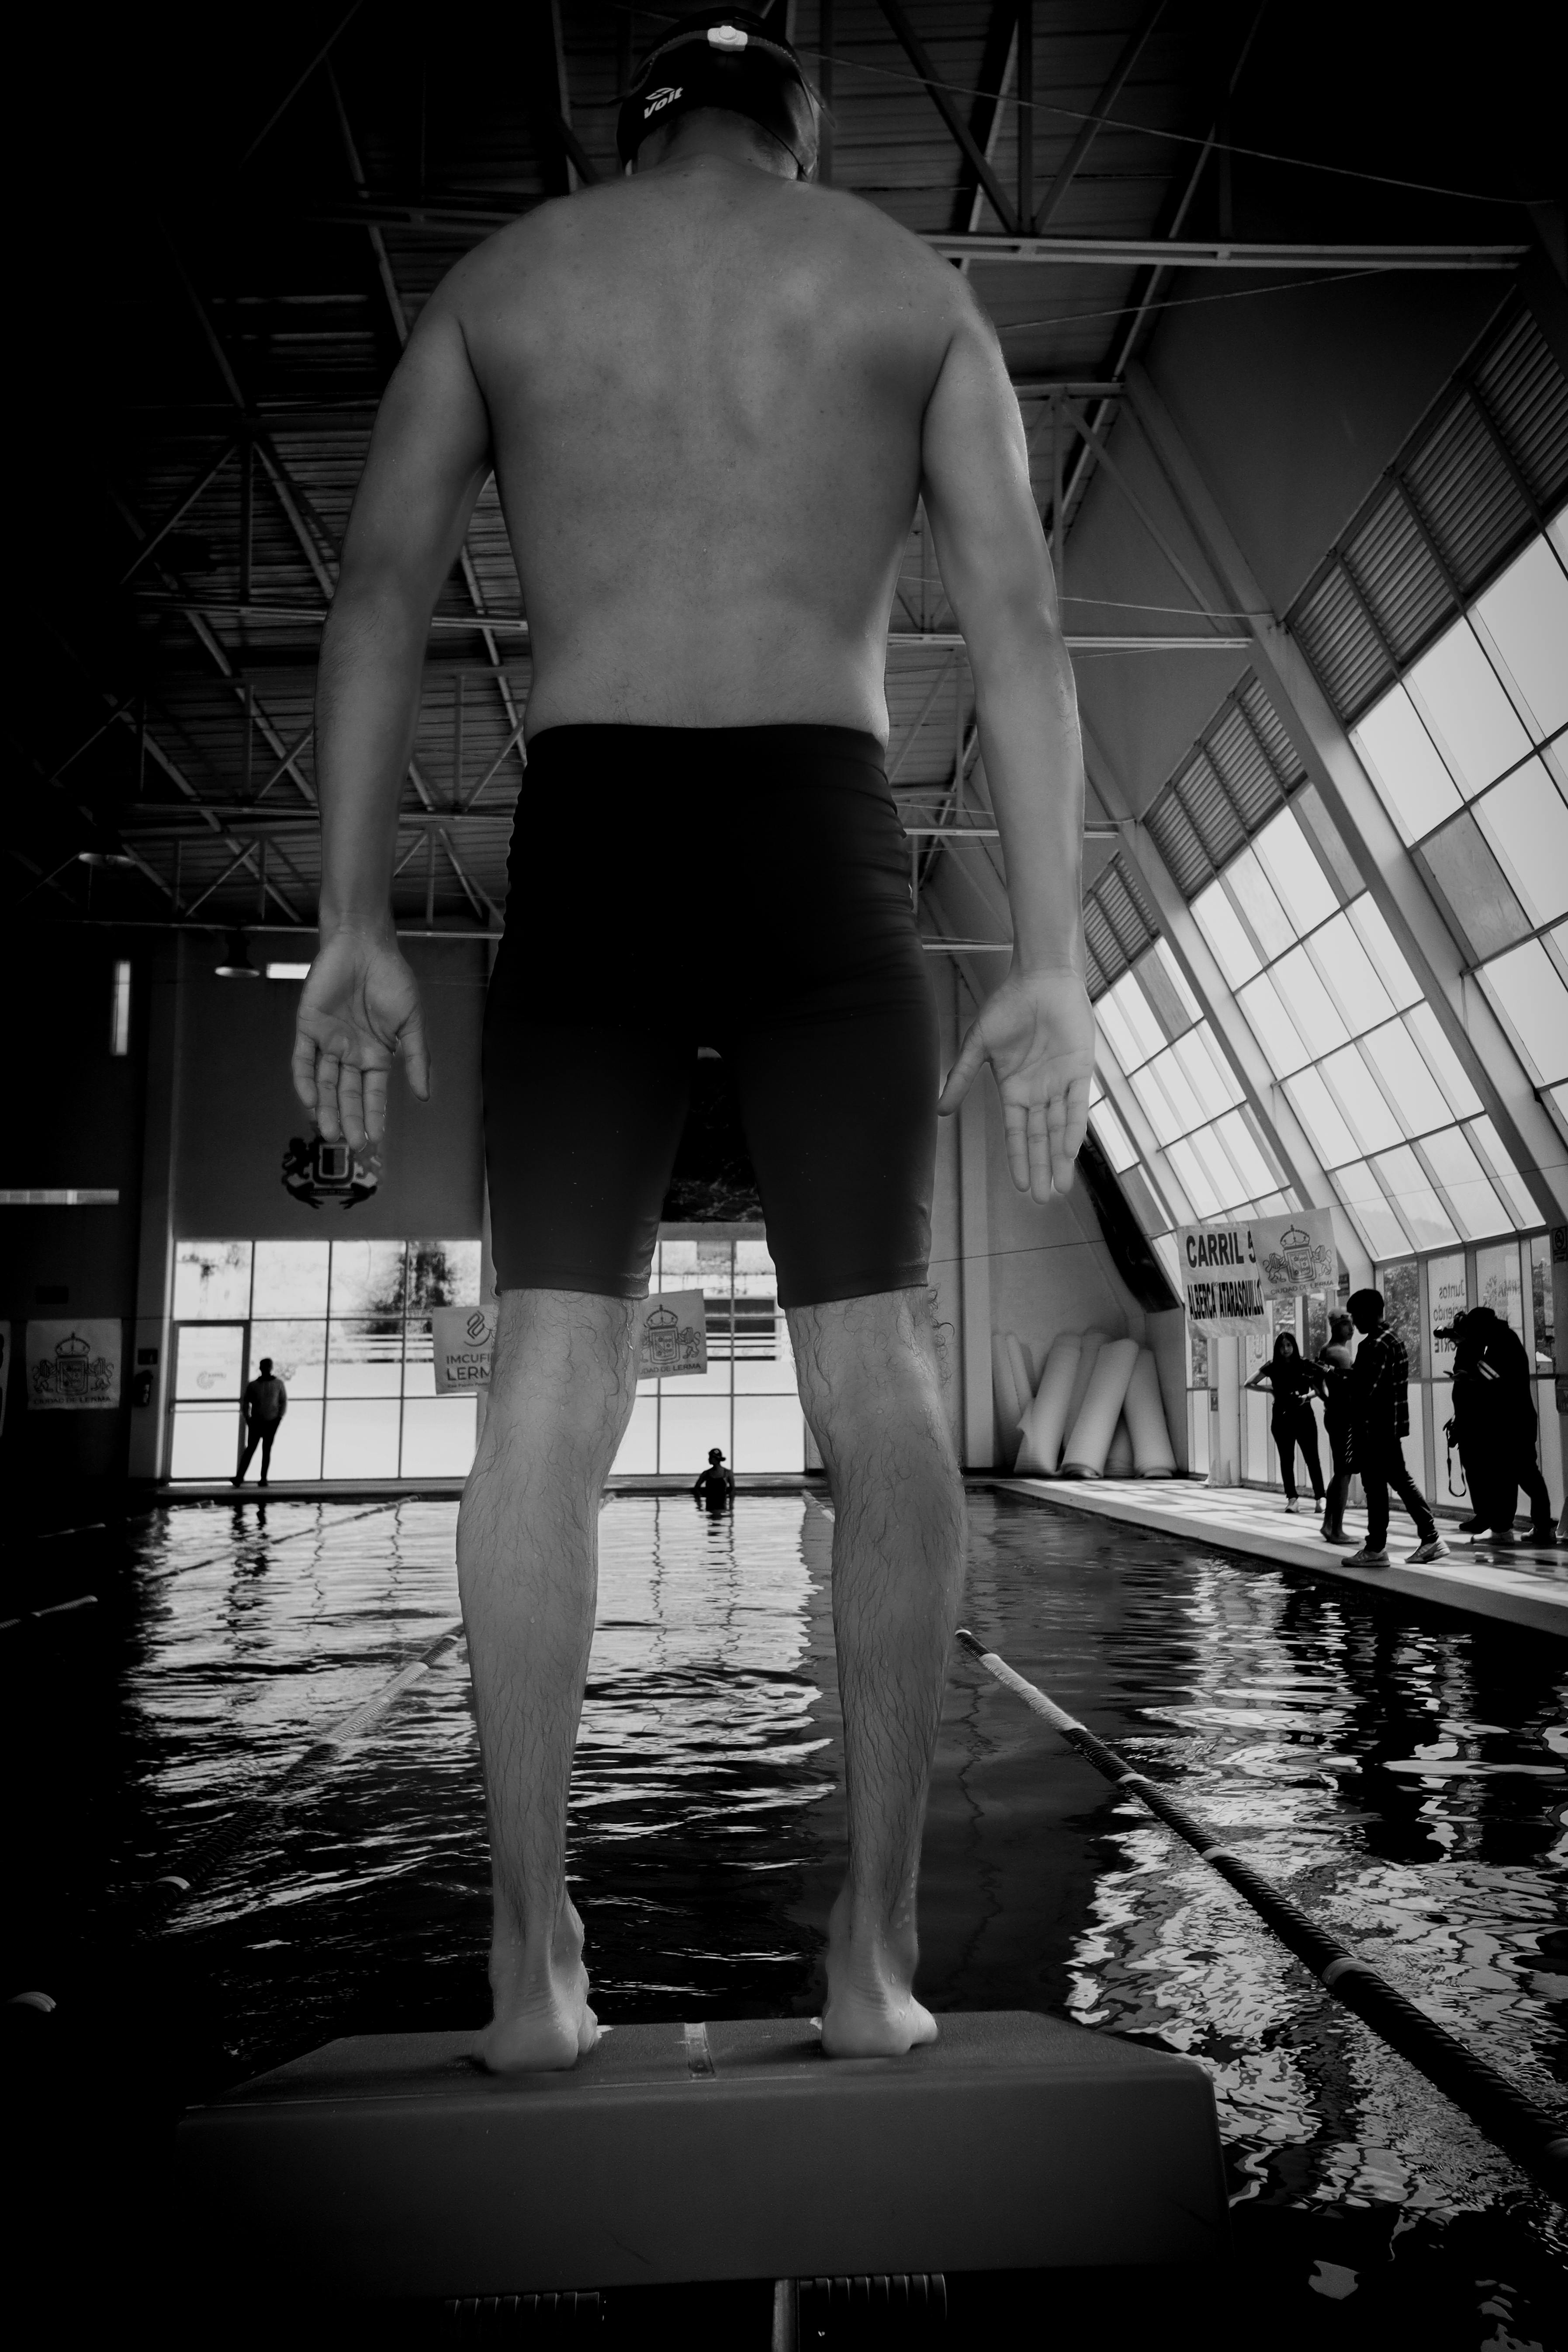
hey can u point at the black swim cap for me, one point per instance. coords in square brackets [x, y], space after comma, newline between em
[724, 58]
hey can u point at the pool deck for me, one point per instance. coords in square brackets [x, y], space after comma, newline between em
[1515, 1586]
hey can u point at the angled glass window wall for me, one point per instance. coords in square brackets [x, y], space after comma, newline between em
[1361, 1057]
[1470, 756]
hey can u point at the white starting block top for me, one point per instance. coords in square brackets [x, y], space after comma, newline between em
[394, 2166]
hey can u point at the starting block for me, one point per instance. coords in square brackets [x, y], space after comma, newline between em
[393, 2166]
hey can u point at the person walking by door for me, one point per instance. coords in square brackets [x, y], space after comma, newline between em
[1380, 1419]
[1294, 1383]
[265, 1404]
[1334, 1362]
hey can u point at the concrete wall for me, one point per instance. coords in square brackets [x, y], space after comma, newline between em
[73, 1120]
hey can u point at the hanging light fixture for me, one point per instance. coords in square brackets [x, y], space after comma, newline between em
[236, 962]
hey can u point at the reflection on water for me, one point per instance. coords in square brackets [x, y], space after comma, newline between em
[1354, 1753]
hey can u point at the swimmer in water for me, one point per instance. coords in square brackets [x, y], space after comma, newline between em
[711, 393]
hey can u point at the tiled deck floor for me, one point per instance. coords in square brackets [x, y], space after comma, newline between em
[1521, 1587]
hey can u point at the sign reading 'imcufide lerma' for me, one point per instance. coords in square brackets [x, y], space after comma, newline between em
[672, 1339]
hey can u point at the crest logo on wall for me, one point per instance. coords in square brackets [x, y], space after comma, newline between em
[318, 1172]
[73, 1367]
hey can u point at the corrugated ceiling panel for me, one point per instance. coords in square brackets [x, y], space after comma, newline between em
[1525, 394]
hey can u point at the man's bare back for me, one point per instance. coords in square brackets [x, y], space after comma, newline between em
[706, 387]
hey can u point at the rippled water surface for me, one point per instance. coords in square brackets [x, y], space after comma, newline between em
[1405, 1776]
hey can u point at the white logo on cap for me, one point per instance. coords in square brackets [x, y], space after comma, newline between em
[727, 36]
[660, 98]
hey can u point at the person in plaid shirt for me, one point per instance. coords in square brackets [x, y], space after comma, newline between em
[1380, 1418]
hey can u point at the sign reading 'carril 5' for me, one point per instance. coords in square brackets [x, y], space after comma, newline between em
[1230, 1271]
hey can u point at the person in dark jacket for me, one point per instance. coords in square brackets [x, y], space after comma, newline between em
[1380, 1419]
[265, 1404]
[1334, 1362]
[1495, 1428]
[1294, 1382]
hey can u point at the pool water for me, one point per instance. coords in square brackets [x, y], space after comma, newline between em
[1404, 1775]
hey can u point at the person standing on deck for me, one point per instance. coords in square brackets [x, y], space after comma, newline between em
[1294, 1383]
[1380, 1420]
[713, 394]
[1335, 1363]
[265, 1404]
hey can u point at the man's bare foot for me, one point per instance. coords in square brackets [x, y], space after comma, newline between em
[542, 2021]
[870, 2011]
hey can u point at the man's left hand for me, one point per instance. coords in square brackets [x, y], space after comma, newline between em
[1036, 1031]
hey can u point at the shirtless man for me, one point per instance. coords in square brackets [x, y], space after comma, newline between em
[711, 393]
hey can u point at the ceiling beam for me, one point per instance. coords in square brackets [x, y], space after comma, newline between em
[1087, 131]
[914, 49]
[996, 64]
[1220, 253]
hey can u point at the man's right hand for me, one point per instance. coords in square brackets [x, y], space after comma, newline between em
[359, 1005]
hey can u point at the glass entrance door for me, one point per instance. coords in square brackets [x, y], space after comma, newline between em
[209, 1381]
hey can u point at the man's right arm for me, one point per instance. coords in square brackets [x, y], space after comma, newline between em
[428, 459]
[1036, 1030]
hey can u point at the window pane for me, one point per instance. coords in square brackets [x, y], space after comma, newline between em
[1190, 1111]
[1157, 1106]
[367, 1278]
[291, 1278]
[1117, 1034]
[1370, 1115]
[1399, 756]
[1322, 1117]
[1504, 1173]
[1114, 1140]
[1526, 822]
[1136, 1011]
[1271, 925]
[1221, 926]
[443, 1273]
[1382, 947]
[1526, 985]
[1229, 1187]
[1275, 1032]
[1255, 1171]
[1462, 1096]
[1363, 1196]
[1458, 1171]
[210, 1361]
[1497, 1283]
[211, 1279]
[438, 1436]
[1397, 1060]
[360, 1439]
[1177, 979]
[206, 1441]
[1526, 612]
[1352, 975]
[1419, 1207]
[1211, 1081]
[364, 1356]
[687, 1426]
[298, 1353]
[638, 1455]
[1311, 1007]
[1478, 725]
[1466, 870]
[770, 1434]
[1290, 864]
[1195, 1180]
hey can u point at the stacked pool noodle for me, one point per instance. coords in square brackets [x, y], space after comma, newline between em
[1010, 1404]
[1101, 1394]
[1089, 1434]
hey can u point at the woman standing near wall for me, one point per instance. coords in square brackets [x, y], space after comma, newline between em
[1294, 1382]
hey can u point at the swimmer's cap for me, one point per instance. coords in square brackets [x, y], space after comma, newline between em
[724, 58]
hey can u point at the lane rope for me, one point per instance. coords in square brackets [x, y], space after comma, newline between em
[1534, 2138]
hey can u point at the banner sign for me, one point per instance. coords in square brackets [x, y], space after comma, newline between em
[74, 1367]
[1230, 1271]
[465, 1338]
[672, 1338]
[4, 1370]
[674, 1335]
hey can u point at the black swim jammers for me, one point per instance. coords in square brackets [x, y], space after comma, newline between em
[744, 888]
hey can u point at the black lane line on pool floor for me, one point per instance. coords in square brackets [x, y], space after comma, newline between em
[1535, 2139]
[173, 1886]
